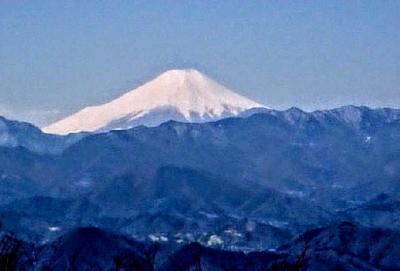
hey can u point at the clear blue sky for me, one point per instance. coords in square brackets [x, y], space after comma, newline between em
[58, 56]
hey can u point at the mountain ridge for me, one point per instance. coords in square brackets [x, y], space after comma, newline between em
[340, 246]
[15, 133]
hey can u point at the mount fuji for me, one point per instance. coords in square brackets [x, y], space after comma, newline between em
[180, 95]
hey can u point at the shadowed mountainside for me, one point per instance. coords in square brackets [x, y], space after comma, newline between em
[343, 246]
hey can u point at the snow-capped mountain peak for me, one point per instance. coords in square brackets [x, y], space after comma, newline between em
[182, 95]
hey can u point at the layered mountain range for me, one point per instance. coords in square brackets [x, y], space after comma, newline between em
[186, 164]
[243, 183]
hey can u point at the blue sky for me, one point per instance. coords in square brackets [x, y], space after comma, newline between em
[59, 56]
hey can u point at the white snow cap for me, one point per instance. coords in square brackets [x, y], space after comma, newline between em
[181, 95]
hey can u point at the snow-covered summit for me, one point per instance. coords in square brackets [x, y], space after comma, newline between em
[181, 95]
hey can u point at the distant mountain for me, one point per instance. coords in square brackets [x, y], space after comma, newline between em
[21, 134]
[180, 95]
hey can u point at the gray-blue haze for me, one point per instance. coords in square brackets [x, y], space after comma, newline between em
[59, 56]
